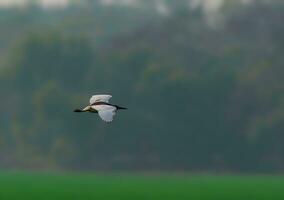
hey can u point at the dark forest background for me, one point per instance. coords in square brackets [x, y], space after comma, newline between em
[205, 93]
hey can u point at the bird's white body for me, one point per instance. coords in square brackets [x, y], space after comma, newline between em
[100, 104]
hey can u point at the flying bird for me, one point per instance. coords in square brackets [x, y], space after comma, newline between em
[100, 104]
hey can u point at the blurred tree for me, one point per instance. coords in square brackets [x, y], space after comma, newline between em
[199, 98]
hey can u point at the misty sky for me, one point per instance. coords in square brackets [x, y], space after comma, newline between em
[43, 3]
[208, 4]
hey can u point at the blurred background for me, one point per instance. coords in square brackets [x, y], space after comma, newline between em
[203, 81]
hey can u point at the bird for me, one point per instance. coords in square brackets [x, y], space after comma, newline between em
[100, 104]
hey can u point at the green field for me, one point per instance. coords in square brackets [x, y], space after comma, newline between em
[57, 186]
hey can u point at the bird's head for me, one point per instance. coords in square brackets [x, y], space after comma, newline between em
[88, 108]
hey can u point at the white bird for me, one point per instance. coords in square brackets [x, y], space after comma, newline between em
[100, 104]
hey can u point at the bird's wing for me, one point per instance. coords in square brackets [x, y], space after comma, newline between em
[107, 115]
[100, 98]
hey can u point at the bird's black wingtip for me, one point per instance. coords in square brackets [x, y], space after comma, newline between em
[77, 110]
[121, 108]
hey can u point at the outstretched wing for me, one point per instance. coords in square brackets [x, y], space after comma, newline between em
[107, 115]
[100, 98]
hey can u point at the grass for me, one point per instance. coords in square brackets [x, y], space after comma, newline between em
[52, 186]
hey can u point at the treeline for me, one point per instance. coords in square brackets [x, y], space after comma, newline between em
[200, 97]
